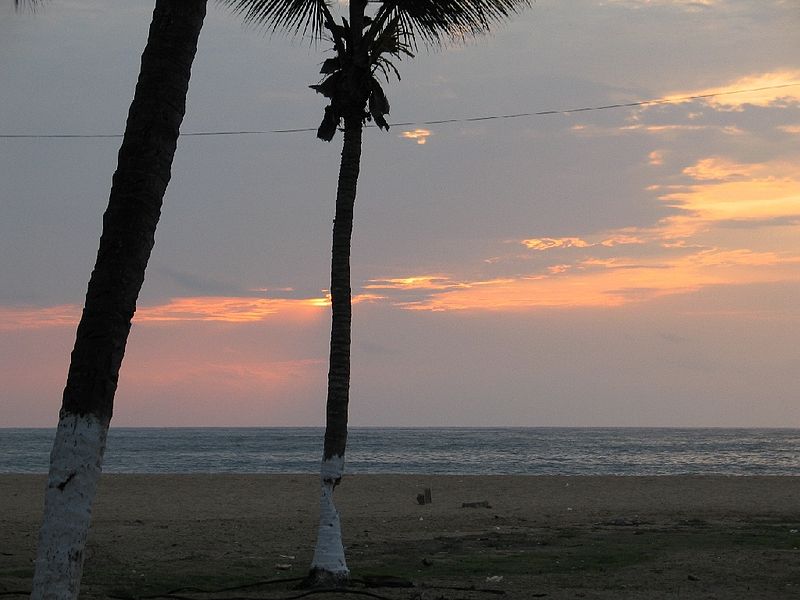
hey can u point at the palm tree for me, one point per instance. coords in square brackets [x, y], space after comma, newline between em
[364, 46]
[129, 224]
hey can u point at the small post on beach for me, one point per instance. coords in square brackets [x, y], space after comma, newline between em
[424, 497]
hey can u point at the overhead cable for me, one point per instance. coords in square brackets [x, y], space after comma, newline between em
[541, 113]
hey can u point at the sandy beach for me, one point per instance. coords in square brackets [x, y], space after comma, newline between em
[550, 537]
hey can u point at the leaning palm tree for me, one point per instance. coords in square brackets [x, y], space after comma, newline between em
[129, 224]
[364, 47]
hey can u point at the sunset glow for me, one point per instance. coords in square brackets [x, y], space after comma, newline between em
[603, 226]
[696, 248]
[684, 253]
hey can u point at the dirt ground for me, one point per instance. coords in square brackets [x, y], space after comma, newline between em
[229, 536]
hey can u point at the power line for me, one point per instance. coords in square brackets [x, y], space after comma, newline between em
[541, 113]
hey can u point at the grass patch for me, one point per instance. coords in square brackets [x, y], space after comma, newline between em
[567, 550]
[510, 554]
[20, 573]
[768, 536]
[159, 579]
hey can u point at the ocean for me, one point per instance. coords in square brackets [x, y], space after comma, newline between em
[479, 451]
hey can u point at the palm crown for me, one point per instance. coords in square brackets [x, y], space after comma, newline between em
[431, 20]
[365, 45]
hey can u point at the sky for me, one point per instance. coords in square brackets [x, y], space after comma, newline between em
[636, 266]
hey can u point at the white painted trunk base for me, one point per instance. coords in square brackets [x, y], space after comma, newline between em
[75, 464]
[329, 551]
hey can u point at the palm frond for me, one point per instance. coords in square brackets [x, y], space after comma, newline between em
[434, 21]
[378, 104]
[29, 4]
[393, 40]
[296, 16]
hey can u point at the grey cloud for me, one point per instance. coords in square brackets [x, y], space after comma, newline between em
[786, 221]
[195, 282]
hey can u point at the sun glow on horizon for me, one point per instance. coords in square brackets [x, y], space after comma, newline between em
[226, 309]
[198, 309]
[187, 309]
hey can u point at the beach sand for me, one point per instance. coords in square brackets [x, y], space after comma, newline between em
[551, 537]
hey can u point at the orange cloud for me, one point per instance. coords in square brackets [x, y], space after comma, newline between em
[769, 89]
[556, 269]
[618, 239]
[550, 243]
[237, 309]
[732, 191]
[622, 238]
[208, 309]
[663, 128]
[656, 158]
[225, 309]
[199, 309]
[615, 282]
[427, 282]
[14, 318]
[748, 200]
[720, 168]
[421, 135]
[595, 131]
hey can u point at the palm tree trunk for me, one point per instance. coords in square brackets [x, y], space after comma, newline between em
[129, 224]
[328, 564]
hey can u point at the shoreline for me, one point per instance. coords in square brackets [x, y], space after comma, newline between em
[219, 494]
[458, 451]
